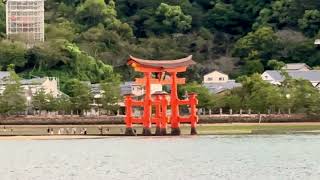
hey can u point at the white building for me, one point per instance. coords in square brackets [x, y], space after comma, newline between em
[275, 77]
[215, 77]
[218, 82]
[31, 86]
[25, 20]
[135, 89]
[295, 71]
[296, 67]
[50, 85]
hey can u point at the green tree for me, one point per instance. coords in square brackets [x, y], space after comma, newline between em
[12, 53]
[172, 18]
[40, 100]
[305, 97]
[286, 12]
[223, 16]
[204, 96]
[205, 4]
[63, 104]
[94, 12]
[233, 101]
[110, 96]
[48, 55]
[251, 67]
[305, 50]
[275, 64]
[310, 22]
[80, 95]
[13, 99]
[259, 95]
[263, 43]
[2, 18]
[64, 29]
[263, 18]
[265, 98]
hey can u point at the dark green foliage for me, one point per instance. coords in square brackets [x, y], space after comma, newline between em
[261, 44]
[90, 40]
[304, 50]
[12, 100]
[107, 31]
[276, 65]
[2, 19]
[223, 16]
[110, 96]
[262, 97]
[286, 12]
[80, 95]
[206, 99]
[63, 104]
[310, 22]
[252, 67]
[12, 53]
[40, 100]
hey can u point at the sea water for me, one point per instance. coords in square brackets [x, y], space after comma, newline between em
[161, 158]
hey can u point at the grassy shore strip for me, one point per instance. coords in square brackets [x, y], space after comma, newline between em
[95, 131]
[273, 128]
[61, 137]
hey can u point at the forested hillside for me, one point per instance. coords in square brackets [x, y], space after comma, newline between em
[85, 38]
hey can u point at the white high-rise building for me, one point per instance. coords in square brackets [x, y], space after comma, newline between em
[25, 20]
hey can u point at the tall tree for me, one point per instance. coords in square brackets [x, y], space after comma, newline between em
[169, 19]
[287, 12]
[40, 100]
[80, 95]
[310, 22]
[262, 43]
[63, 104]
[12, 53]
[2, 18]
[13, 99]
[110, 96]
[223, 17]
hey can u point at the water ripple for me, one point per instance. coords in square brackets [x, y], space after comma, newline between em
[200, 158]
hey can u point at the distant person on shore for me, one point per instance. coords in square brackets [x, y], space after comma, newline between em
[85, 131]
[74, 130]
[101, 130]
[62, 130]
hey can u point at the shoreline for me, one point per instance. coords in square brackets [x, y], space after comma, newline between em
[120, 120]
[39, 132]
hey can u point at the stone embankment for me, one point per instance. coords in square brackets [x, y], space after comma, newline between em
[204, 119]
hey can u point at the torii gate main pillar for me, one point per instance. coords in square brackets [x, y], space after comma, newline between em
[155, 72]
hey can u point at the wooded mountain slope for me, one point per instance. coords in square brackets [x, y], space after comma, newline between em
[85, 38]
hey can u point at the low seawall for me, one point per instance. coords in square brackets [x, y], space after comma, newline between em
[256, 118]
[205, 119]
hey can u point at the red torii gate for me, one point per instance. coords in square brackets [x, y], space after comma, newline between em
[160, 68]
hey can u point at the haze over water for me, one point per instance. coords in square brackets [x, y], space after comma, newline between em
[199, 157]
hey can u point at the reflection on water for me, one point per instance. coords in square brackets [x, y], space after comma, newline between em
[199, 157]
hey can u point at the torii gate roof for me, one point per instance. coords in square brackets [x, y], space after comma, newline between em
[165, 64]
